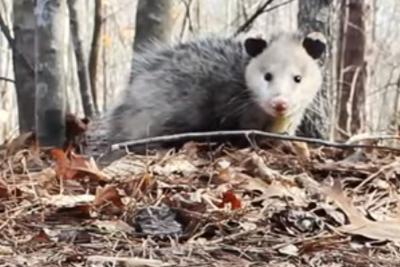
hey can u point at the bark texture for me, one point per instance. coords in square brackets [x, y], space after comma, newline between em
[95, 51]
[352, 72]
[23, 61]
[50, 79]
[314, 15]
[153, 22]
[81, 58]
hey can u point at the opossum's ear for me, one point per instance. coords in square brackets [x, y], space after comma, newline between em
[315, 44]
[254, 46]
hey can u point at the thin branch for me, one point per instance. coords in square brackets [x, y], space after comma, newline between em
[6, 31]
[373, 138]
[249, 134]
[261, 10]
[253, 17]
[7, 80]
[11, 42]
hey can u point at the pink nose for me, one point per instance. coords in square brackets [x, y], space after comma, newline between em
[280, 104]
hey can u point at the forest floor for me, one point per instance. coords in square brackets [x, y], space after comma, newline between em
[288, 204]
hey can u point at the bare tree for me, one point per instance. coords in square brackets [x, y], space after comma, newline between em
[81, 57]
[50, 85]
[315, 15]
[23, 60]
[153, 22]
[95, 50]
[352, 73]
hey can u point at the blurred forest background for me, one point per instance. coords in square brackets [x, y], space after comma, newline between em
[74, 56]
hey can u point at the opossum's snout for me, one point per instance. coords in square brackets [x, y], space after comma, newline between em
[277, 106]
[280, 105]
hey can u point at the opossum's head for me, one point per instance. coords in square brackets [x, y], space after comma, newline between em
[283, 75]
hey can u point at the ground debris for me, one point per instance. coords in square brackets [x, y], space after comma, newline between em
[288, 205]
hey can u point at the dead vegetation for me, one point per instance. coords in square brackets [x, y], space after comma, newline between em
[283, 205]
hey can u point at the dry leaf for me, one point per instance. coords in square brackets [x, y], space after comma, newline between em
[359, 224]
[75, 167]
[67, 201]
[23, 141]
[231, 198]
[302, 150]
[106, 195]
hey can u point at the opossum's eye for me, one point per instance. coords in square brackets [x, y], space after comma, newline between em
[297, 78]
[268, 77]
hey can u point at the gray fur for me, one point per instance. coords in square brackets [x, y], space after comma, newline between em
[191, 87]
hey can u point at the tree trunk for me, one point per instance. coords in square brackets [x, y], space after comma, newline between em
[75, 21]
[23, 61]
[314, 15]
[153, 22]
[50, 80]
[351, 68]
[94, 51]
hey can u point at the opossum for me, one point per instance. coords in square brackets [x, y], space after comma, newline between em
[215, 84]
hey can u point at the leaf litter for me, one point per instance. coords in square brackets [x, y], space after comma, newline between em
[285, 205]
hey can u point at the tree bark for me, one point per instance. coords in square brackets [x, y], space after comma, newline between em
[50, 79]
[23, 61]
[95, 51]
[153, 22]
[81, 59]
[351, 69]
[314, 15]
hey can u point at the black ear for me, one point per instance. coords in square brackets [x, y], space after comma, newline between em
[254, 46]
[315, 45]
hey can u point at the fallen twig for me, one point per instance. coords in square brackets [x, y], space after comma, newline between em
[249, 134]
[366, 137]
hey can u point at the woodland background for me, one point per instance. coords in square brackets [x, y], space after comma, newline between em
[74, 56]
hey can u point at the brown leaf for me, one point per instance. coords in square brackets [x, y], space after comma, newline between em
[302, 150]
[70, 214]
[63, 164]
[4, 194]
[231, 198]
[23, 141]
[108, 194]
[41, 237]
[75, 167]
[359, 224]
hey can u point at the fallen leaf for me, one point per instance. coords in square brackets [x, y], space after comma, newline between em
[41, 237]
[6, 250]
[231, 198]
[113, 226]
[77, 166]
[63, 164]
[302, 150]
[359, 224]
[290, 250]
[106, 195]
[123, 261]
[70, 214]
[179, 165]
[4, 194]
[23, 141]
[68, 201]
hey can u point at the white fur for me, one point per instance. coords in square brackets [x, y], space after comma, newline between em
[284, 58]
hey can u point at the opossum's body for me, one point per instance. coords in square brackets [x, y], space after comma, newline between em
[217, 84]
